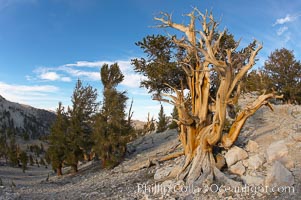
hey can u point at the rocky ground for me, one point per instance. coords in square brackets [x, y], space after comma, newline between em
[266, 161]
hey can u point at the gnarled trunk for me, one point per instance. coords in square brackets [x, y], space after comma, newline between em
[202, 120]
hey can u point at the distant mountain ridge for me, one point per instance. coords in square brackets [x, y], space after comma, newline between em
[24, 119]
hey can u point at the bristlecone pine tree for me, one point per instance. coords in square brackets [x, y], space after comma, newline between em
[111, 126]
[202, 115]
[57, 140]
[284, 72]
[79, 134]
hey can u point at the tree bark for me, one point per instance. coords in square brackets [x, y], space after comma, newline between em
[59, 171]
[203, 120]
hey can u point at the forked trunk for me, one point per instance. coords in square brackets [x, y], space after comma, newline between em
[202, 116]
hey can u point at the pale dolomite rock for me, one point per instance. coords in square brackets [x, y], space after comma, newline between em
[256, 161]
[276, 151]
[238, 168]
[234, 155]
[253, 180]
[252, 146]
[278, 175]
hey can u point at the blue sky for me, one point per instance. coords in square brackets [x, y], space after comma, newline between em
[46, 45]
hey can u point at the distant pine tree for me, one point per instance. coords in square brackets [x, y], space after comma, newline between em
[111, 127]
[284, 72]
[24, 159]
[162, 121]
[57, 140]
[13, 151]
[3, 146]
[79, 134]
[174, 116]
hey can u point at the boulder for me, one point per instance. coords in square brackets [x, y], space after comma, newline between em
[252, 146]
[278, 176]
[276, 151]
[253, 180]
[234, 155]
[238, 168]
[256, 161]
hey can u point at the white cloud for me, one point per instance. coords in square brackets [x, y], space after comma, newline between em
[66, 79]
[87, 70]
[132, 80]
[29, 94]
[86, 64]
[91, 75]
[51, 76]
[281, 30]
[286, 19]
[25, 88]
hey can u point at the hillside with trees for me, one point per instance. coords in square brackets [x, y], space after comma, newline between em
[234, 131]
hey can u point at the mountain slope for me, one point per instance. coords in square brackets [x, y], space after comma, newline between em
[23, 119]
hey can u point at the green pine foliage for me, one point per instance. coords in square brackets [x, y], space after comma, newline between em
[13, 151]
[24, 160]
[111, 128]
[79, 135]
[3, 146]
[162, 121]
[284, 72]
[57, 139]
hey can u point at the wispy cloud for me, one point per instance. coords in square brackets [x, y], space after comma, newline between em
[29, 94]
[53, 76]
[281, 30]
[286, 19]
[89, 70]
[286, 24]
[4, 87]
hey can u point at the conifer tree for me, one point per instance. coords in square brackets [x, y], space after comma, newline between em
[13, 151]
[162, 121]
[24, 159]
[284, 72]
[174, 116]
[3, 146]
[79, 134]
[111, 127]
[57, 140]
[197, 55]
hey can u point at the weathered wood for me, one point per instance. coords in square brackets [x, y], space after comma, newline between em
[202, 124]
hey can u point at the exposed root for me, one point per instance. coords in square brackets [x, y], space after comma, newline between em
[202, 169]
